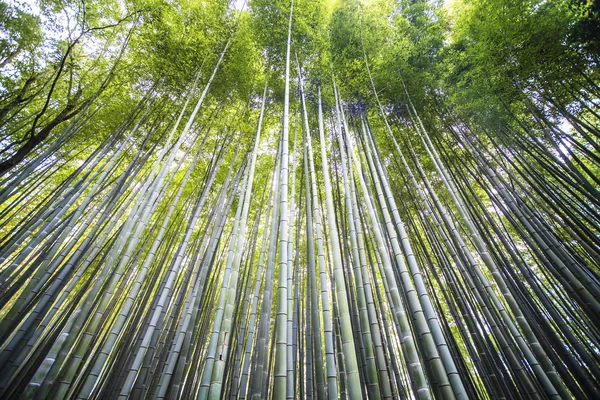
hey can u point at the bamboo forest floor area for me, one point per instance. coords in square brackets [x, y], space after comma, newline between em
[299, 199]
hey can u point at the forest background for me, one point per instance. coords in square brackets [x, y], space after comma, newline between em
[333, 199]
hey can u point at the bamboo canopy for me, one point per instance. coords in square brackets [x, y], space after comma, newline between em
[301, 240]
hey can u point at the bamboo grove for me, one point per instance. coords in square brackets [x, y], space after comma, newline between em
[308, 240]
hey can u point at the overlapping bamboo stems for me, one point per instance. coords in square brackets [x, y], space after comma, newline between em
[539, 154]
[576, 344]
[478, 277]
[298, 356]
[558, 254]
[242, 289]
[359, 263]
[147, 212]
[209, 260]
[337, 343]
[551, 372]
[442, 235]
[222, 323]
[559, 180]
[63, 296]
[409, 292]
[250, 342]
[582, 271]
[367, 281]
[290, 367]
[531, 311]
[175, 300]
[533, 245]
[175, 351]
[57, 283]
[258, 373]
[54, 256]
[481, 289]
[72, 260]
[162, 301]
[313, 224]
[349, 351]
[380, 264]
[545, 210]
[212, 349]
[241, 323]
[391, 342]
[119, 323]
[552, 308]
[473, 383]
[314, 345]
[561, 263]
[545, 372]
[34, 174]
[33, 326]
[227, 341]
[139, 224]
[50, 217]
[347, 267]
[571, 184]
[109, 202]
[280, 368]
[565, 155]
[462, 262]
[447, 366]
[408, 345]
[330, 365]
[577, 222]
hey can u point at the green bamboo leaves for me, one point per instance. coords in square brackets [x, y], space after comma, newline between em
[367, 248]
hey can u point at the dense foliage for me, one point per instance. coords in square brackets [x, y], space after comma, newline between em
[300, 199]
